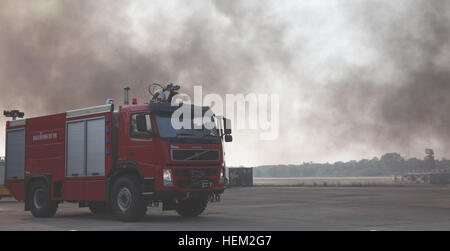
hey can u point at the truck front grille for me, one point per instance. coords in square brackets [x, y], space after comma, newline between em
[196, 172]
[196, 184]
[195, 155]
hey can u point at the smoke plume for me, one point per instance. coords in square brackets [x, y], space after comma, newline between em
[357, 79]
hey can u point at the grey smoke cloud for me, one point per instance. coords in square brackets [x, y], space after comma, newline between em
[401, 103]
[357, 78]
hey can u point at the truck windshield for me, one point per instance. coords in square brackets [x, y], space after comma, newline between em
[197, 133]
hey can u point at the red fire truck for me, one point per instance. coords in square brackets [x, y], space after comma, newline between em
[116, 161]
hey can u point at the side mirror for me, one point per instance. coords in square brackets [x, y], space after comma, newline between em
[228, 138]
[141, 122]
[227, 126]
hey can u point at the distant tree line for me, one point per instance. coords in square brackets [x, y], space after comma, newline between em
[389, 164]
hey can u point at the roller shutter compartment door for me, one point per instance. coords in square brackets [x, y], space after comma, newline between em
[95, 150]
[75, 149]
[2, 175]
[15, 154]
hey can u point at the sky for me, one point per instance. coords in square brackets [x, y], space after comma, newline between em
[356, 79]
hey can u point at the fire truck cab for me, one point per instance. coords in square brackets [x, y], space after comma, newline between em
[118, 161]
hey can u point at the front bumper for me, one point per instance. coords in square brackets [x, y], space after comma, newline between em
[191, 179]
[170, 195]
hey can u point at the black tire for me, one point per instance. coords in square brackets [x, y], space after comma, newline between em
[191, 207]
[127, 203]
[40, 200]
[98, 207]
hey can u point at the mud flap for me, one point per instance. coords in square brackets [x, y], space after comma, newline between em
[169, 205]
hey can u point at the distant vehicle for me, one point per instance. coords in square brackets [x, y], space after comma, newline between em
[120, 161]
[3, 191]
[240, 176]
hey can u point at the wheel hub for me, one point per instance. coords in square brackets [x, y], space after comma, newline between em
[124, 199]
[38, 198]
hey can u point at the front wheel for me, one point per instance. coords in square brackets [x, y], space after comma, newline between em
[127, 202]
[41, 203]
[191, 207]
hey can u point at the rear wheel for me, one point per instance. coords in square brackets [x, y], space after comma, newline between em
[41, 203]
[191, 207]
[98, 207]
[127, 202]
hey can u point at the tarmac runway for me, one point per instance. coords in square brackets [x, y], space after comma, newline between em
[268, 208]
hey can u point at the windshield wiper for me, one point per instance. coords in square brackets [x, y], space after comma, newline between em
[210, 135]
[185, 134]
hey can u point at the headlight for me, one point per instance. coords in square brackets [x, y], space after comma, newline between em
[222, 175]
[167, 177]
